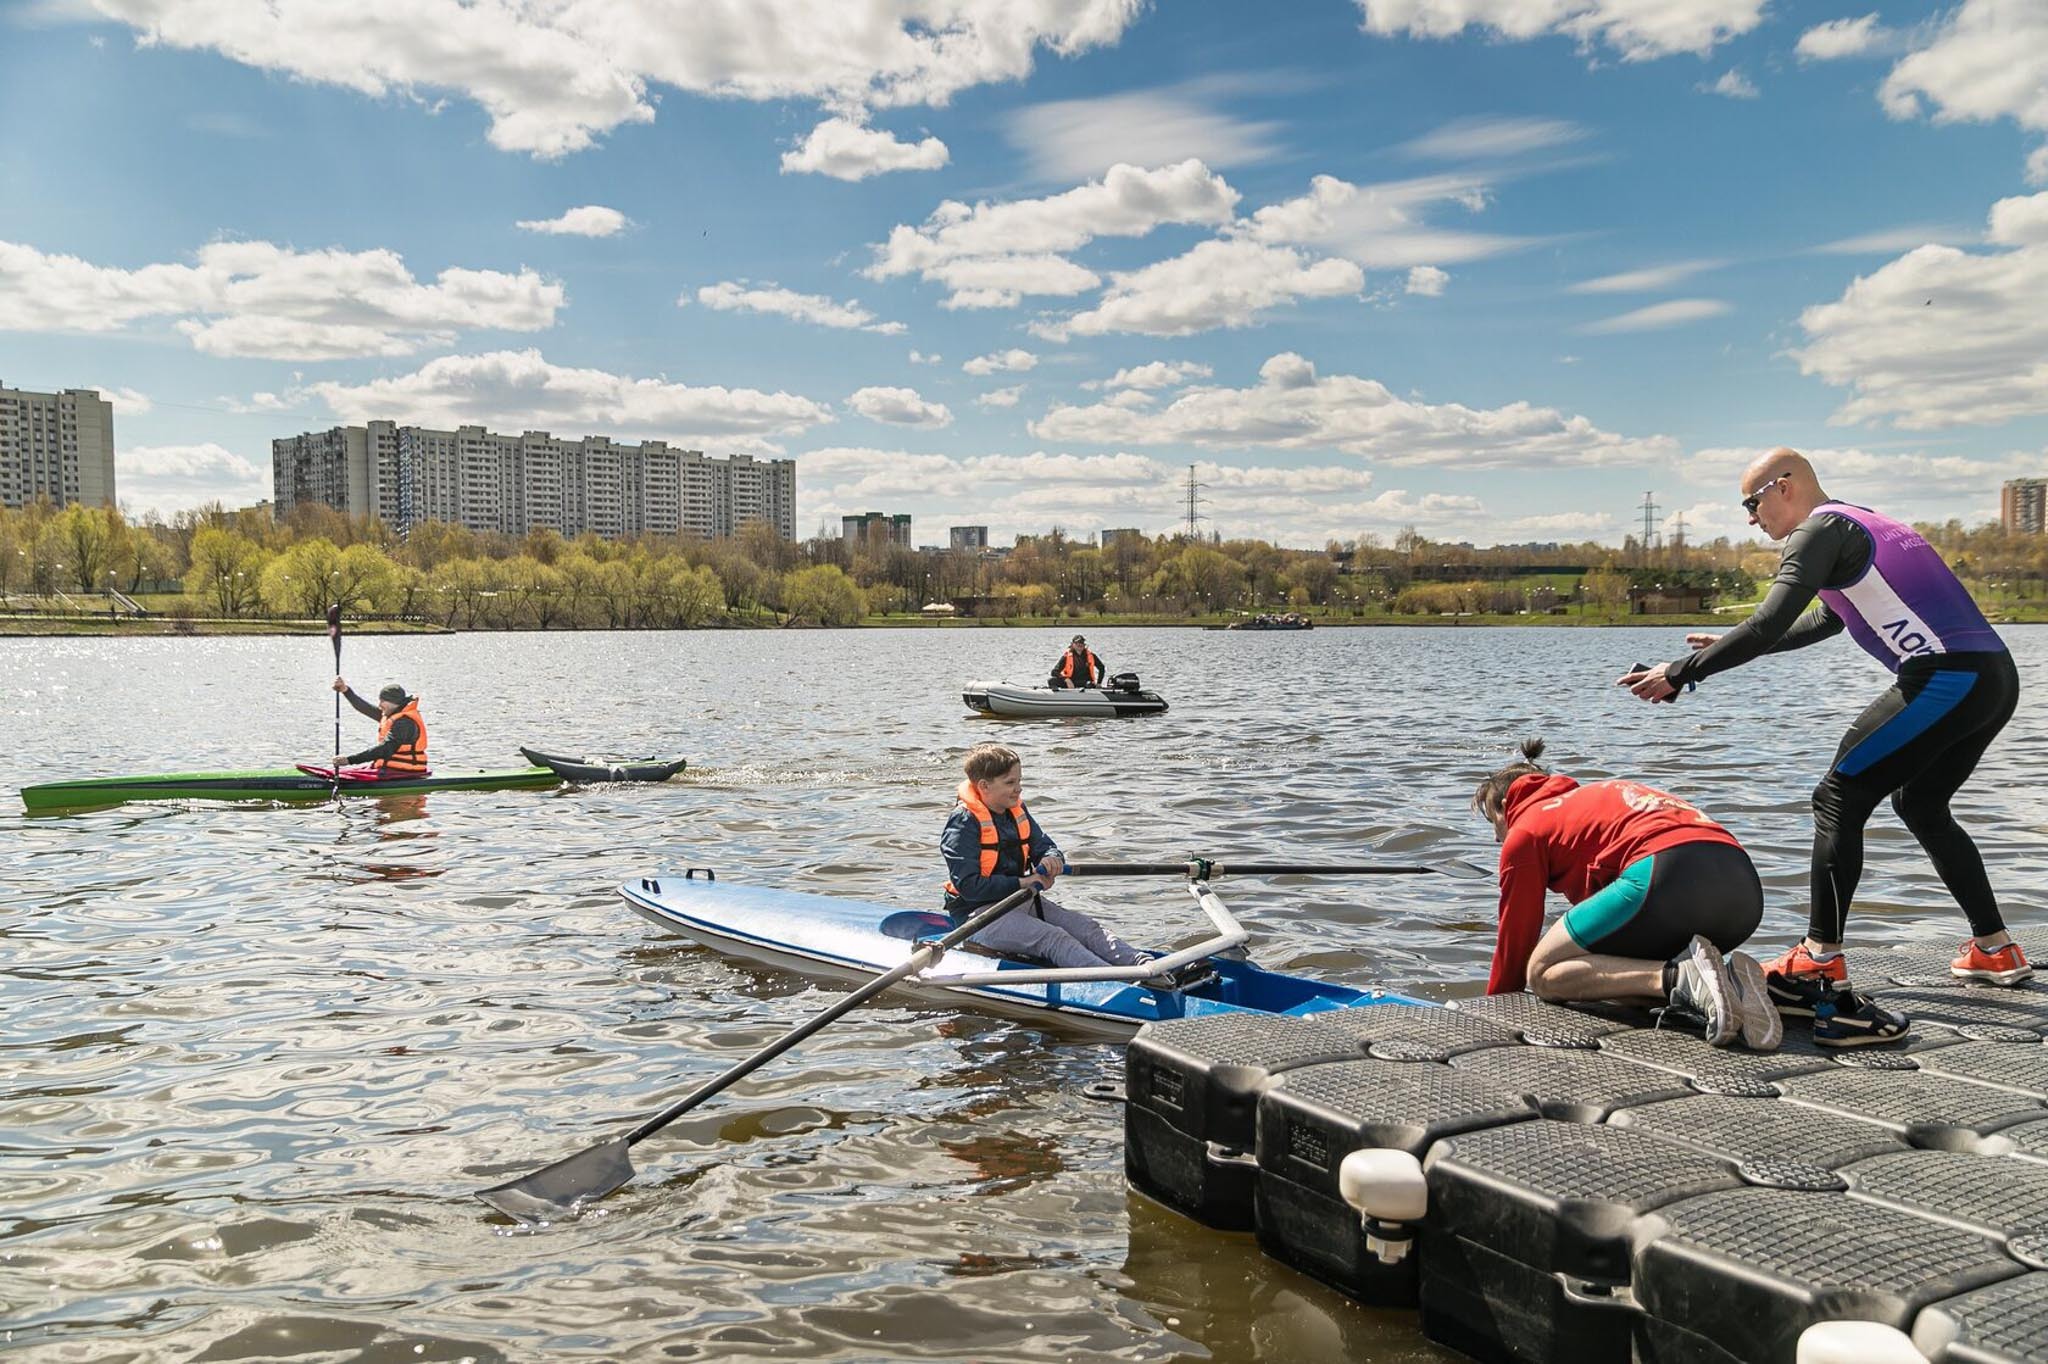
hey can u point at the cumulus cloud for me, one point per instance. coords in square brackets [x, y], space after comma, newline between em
[257, 299]
[1644, 281]
[1942, 337]
[1214, 284]
[1001, 397]
[918, 357]
[1427, 280]
[1987, 61]
[553, 78]
[1002, 281]
[514, 390]
[1075, 138]
[1014, 360]
[1487, 139]
[1156, 374]
[590, 220]
[127, 402]
[1731, 85]
[899, 407]
[1839, 38]
[730, 296]
[1295, 408]
[1675, 313]
[1030, 236]
[168, 479]
[848, 150]
[1635, 31]
[1381, 226]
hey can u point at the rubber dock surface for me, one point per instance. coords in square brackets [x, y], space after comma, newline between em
[1565, 1186]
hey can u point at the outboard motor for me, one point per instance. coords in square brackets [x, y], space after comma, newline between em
[1126, 682]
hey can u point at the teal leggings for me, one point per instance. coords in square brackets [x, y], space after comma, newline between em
[1651, 911]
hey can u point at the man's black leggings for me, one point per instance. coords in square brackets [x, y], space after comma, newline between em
[1918, 743]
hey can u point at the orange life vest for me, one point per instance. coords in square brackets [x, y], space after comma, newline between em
[409, 758]
[991, 841]
[1093, 669]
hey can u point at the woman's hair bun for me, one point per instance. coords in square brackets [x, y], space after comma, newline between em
[1532, 749]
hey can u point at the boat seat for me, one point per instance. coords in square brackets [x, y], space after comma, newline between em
[914, 925]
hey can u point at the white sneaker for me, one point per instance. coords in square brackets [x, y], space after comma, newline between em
[1762, 1028]
[1705, 993]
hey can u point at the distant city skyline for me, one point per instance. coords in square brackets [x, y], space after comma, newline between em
[1488, 271]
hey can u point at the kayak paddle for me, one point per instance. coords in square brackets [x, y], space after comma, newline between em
[1208, 869]
[334, 634]
[559, 1189]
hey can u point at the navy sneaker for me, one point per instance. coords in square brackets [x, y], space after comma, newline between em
[1850, 1018]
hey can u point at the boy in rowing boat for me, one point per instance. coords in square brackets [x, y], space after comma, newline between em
[1659, 892]
[993, 848]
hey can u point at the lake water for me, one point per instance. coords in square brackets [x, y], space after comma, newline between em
[253, 1059]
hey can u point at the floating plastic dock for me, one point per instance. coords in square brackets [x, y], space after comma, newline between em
[1557, 1185]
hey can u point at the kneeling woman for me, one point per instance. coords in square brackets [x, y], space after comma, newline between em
[1659, 893]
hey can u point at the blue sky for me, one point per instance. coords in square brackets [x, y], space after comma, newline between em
[1491, 268]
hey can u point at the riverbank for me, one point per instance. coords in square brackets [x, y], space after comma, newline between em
[167, 627]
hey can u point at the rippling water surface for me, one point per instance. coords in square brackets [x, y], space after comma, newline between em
[253, 1058]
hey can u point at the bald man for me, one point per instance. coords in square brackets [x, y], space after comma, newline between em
[1955, 689]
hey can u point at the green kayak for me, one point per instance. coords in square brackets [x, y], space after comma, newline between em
[275, 784]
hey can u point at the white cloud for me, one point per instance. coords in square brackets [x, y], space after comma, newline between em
[2037, 165]
[729, 296]
[256, 299]
[1214, 284]
[899, 407]
[1886, 240]
[918, 357]
[1942, 337]
[1294, 408]
[515, 390]
[1127, 202]
[1156, 374]
[1001, 397]
[1013, 360]
[1427, 280]
[552, 78]
[1675, 313]
[1839, 38]
[127, 402]
[589, 220]
[1381, 226]
[1635, 30]
[168, 479]
[1643, 281]
[1002, 281]
[1987, 61]
[1483, 139]
[848, 150]
[1563, 525]
[1732, 85]
[1071, 139]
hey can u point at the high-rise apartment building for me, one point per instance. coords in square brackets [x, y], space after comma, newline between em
[2023, 505]
[1109, 538]
[513, 484]
[58, 446]
[876, 528]
[967, 537]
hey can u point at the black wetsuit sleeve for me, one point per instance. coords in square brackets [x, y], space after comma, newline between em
[404, 730]
[1825, 551]
[363, 707]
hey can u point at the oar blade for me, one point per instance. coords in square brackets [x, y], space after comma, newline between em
[556, 1191]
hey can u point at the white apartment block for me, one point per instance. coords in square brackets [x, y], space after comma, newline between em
[513, 484]
[58, 446]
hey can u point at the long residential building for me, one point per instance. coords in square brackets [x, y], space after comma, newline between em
[2023, 506]
[58, 446]
[404, 475]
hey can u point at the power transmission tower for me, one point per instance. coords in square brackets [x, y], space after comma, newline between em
[1678, 540]
[1650, 510]
[1194, 501]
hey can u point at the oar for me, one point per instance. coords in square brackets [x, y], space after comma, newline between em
[1208, 869]
[558, 1189]
[334, 634]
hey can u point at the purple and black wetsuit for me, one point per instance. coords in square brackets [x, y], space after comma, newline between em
[1956, 688]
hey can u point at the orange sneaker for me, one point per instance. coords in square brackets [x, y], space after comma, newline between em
[1797, 983]
[2006, 966]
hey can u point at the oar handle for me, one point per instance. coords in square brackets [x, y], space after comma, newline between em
[1204, 869]
[924, 956]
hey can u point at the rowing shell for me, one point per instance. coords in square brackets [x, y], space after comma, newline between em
[846, 940]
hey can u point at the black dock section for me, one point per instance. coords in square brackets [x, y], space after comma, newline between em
[1565, 1185]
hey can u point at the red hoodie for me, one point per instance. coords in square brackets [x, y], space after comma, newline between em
[1576, 840]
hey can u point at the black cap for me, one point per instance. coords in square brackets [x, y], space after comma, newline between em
[393, 693]
[1077, 639]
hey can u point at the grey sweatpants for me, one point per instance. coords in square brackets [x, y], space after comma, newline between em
[1064, 937]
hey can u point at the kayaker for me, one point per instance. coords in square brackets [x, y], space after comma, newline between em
[401, 747]
[1659, 893]
[1918, 743]
[993, 847]
[1078, 667]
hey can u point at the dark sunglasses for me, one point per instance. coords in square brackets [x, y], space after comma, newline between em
[1749, 503]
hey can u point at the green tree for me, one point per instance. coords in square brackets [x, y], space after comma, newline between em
[227, 569]
[821, 595]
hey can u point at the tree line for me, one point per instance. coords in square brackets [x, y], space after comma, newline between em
[213, 562]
